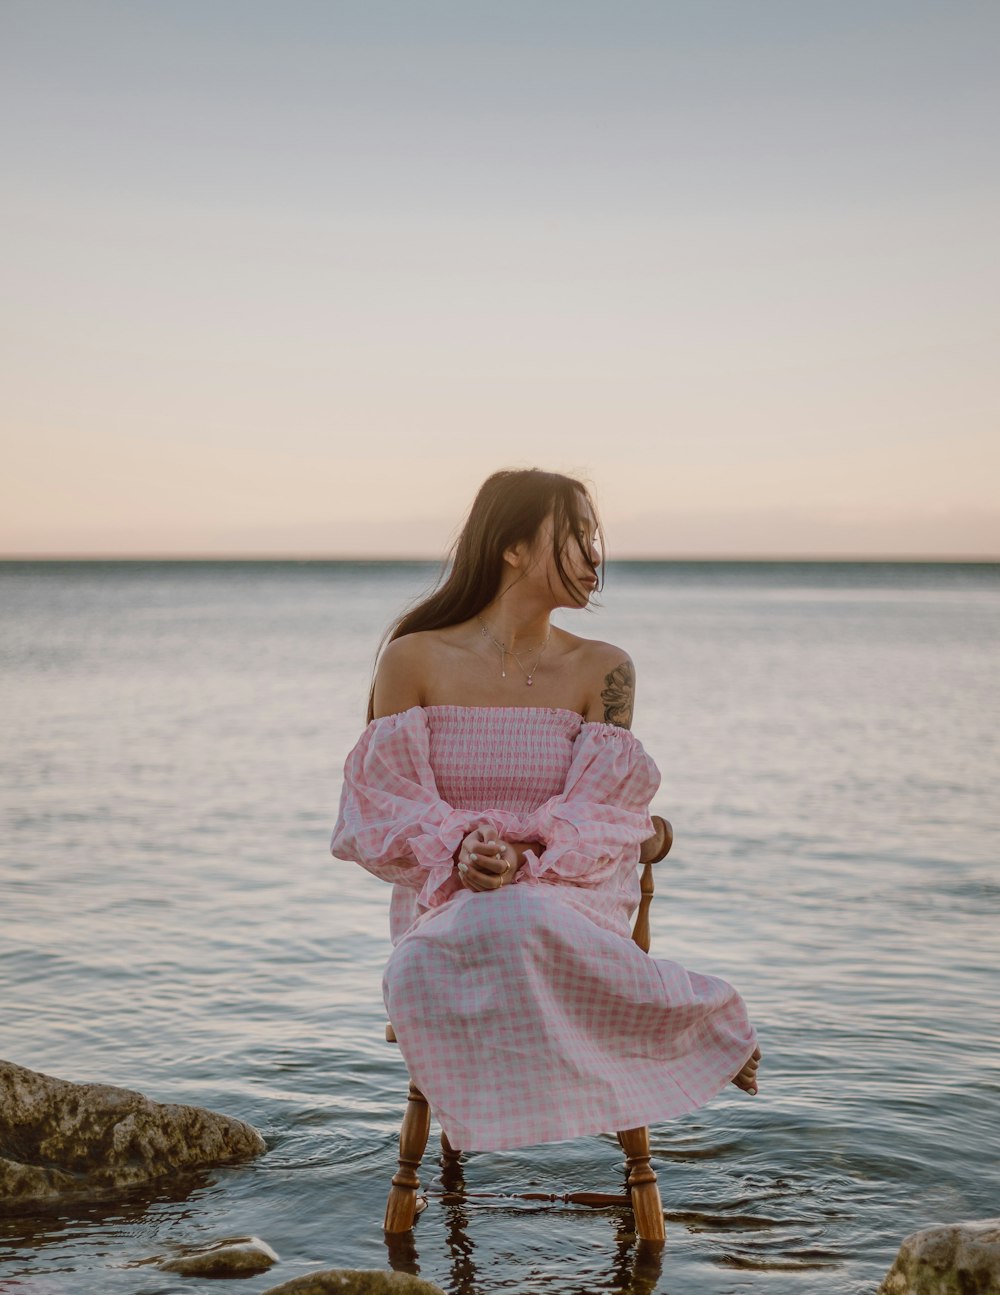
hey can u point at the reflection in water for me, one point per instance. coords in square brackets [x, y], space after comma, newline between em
[456, 1222]
[38, 1224]
[635, 1267]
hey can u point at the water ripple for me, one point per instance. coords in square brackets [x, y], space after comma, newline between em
[173, 922]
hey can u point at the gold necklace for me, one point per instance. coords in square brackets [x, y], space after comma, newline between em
[529, 678]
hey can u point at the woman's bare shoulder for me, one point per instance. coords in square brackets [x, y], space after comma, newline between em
[610, 675]
[399, 674]
[416, 650]
[404, 666]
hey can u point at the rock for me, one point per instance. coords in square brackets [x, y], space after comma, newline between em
[955, 1259]
[231, 1257]
[355, 1281]
[60, 1139]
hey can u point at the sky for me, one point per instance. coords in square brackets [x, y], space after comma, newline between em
[292, 278]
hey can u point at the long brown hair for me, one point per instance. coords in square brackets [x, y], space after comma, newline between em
[510, 508]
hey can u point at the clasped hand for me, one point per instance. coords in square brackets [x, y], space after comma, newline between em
[486, 861]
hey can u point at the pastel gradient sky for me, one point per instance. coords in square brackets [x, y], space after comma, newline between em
[294, 277]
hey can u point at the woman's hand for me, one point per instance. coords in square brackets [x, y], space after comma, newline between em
[486, 861]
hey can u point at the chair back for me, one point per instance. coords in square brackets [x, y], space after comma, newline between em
[640, 929]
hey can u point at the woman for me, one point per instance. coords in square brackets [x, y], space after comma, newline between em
[499, 788]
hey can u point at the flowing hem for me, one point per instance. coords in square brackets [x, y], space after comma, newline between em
[611, 1123]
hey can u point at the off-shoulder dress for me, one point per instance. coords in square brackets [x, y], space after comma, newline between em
[528, 1014]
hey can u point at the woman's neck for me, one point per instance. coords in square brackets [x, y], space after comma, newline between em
[518, 628]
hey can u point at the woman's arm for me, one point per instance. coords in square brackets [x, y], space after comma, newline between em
[601, 820]
[611, 692]
[391, 819]
[614, 703]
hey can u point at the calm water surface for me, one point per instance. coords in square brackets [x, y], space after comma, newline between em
[172, 920]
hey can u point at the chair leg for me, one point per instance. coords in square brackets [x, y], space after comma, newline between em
[646, 1203]
[403, 1204]
[452, 1171]
[449, 1153]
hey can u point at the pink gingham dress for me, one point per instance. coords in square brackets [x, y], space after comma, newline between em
[528, 1014]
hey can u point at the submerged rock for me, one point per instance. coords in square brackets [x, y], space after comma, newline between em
[230, 1257]
[58, 1138]
[355, 1281]
[955, 1259]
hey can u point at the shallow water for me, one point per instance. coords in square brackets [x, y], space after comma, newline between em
[173, 921]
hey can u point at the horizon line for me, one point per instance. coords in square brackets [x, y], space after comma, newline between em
[941, 559]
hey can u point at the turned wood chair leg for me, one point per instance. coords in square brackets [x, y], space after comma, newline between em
[646, 1203]
[403, 1204]
[448, 1152]
[452, 1172]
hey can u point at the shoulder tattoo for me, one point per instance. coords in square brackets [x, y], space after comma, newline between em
[618, 695]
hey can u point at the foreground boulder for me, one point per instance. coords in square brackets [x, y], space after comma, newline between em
[232, 1257]
[355, 1281]
[956, 1259]
[62, 1139]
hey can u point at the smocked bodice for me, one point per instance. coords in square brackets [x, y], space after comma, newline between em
[513, 758]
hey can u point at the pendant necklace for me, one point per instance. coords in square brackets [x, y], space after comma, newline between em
[529, 678]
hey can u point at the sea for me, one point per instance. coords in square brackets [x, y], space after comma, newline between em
[171, 919]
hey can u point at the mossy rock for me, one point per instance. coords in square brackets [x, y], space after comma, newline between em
[229, 1257]
[59, 1138]
[955, 1259]
[355, 1281]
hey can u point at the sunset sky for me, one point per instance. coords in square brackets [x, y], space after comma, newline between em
[293, 278]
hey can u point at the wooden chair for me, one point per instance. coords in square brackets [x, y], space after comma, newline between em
[643, 1196]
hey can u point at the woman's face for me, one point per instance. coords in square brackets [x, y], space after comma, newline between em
[579, 572]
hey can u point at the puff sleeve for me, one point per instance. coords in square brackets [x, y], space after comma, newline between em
[599, 821]
[391, 819]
